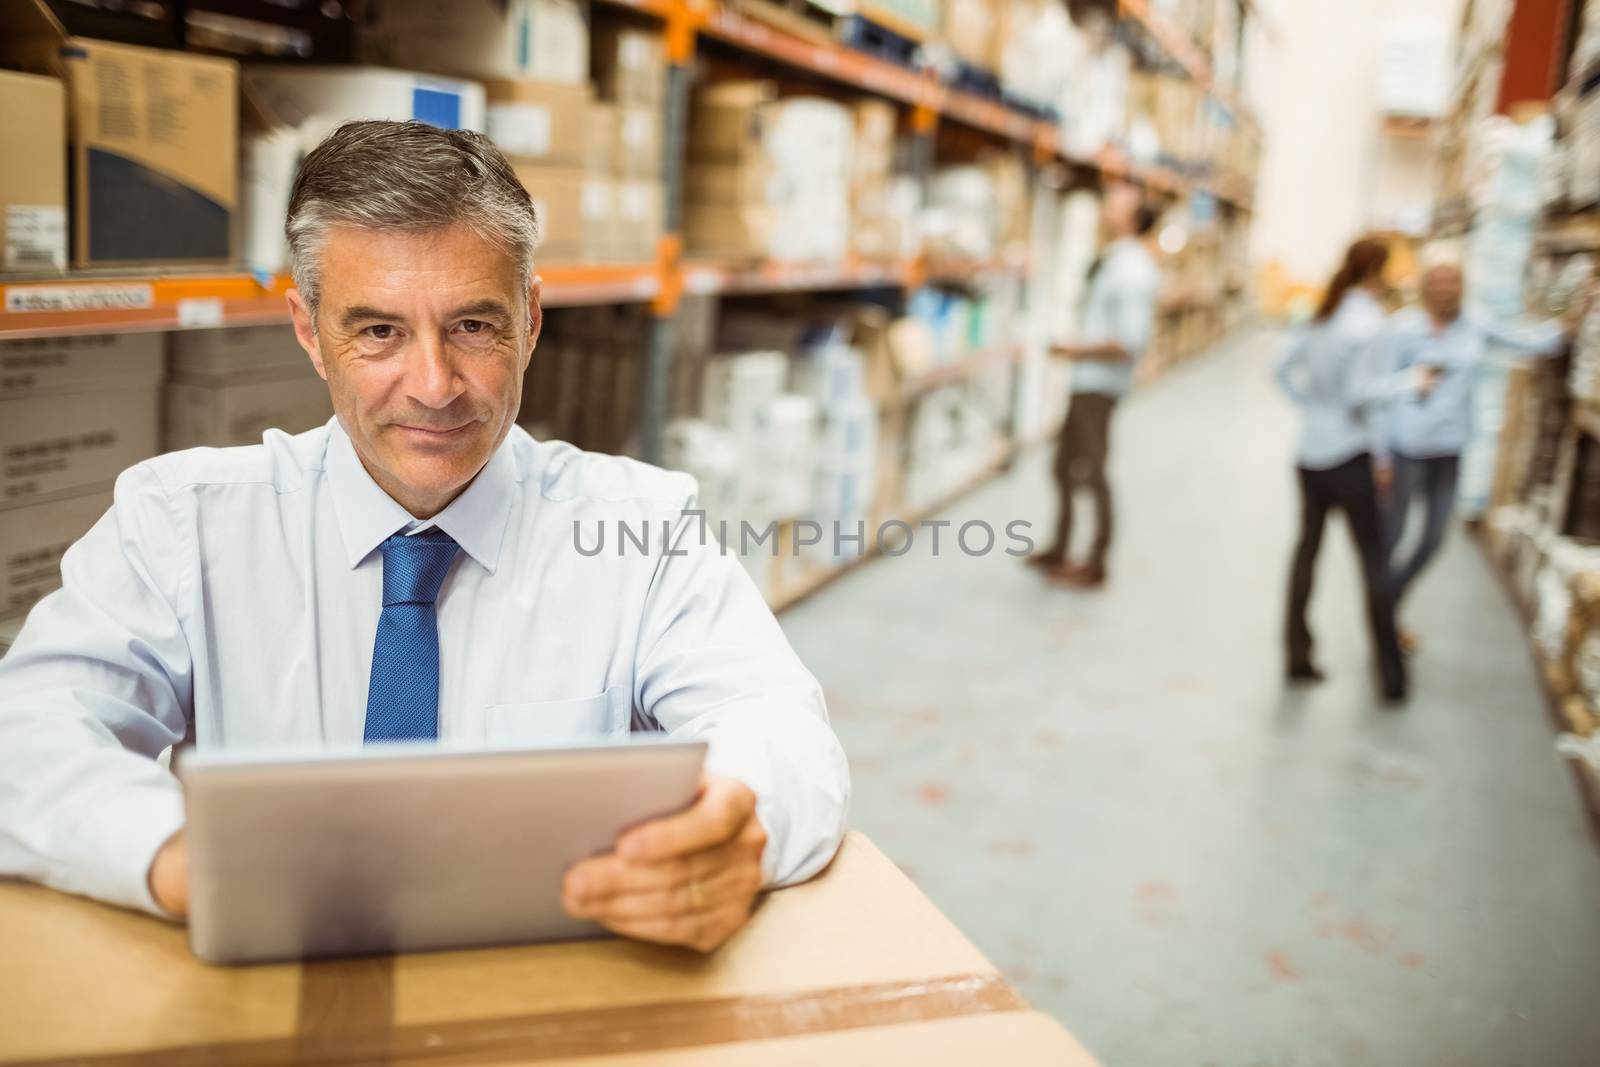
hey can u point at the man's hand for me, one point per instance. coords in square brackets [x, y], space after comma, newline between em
[689, 879]
[169, 877]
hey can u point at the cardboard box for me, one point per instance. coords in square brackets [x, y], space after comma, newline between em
[630, 64]
[543, 121]
[728, 121]
[637, 152]
[601, 159]
[33, 539]
[852, 969]
[599, 218]
[80, 363]
[969, 30]
[237, 353]
[68, 443]
[331, 95]
[153, 142]
[547, 40]
[734, 231]
[639, 221]
[238, 413]
[33, 181]
[728, 184]
[557, 194]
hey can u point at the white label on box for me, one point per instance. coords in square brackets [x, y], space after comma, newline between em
[636, 201]
[36, 237]
[520, 129]
[636, 128]
[78, 297]
[633, 51]
[596, 204]
[196, 313]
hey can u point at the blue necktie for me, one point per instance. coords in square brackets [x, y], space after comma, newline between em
[403, 696]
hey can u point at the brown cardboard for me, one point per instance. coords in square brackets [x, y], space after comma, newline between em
[237, 354]
[544, 122]
[238, 413]
[640, 205]
[725, 184]
[637, 151]
[66, 444]
[854, 967]
[629, 64]
[557, 194]
[600, 221]
[153, 140]
[728, 121]
[80, 363]
[33, 539]
[601, 160]
[33, 181]
[734, 230]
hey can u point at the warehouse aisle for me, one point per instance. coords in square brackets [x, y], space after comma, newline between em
[1118, 801]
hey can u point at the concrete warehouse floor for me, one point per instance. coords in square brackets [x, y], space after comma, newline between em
[1116, 798]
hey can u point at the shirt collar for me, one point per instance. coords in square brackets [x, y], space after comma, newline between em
[475, 520]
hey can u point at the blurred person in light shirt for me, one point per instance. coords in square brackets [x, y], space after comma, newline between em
[1435, 356]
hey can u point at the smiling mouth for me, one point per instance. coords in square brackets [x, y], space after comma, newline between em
[431, 432]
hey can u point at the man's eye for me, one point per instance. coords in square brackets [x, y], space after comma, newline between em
[381, 332]
[473, 326]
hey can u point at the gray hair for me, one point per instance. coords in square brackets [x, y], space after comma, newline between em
[410, 177]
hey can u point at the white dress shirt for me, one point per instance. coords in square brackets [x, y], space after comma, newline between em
[232, 596]
[1120, 308]
[1337, 373]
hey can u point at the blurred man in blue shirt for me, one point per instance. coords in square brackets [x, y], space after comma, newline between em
[1438, 355]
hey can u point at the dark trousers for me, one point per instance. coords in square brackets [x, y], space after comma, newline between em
[1435, 479]
[1081, 464]
[1349, 488]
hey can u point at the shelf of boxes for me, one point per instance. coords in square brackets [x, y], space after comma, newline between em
[630, 289]
[77, 305]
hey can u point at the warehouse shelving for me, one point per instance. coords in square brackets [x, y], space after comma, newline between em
[126, 303]
[174, 300]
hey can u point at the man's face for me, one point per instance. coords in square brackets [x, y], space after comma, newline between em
[423, 339]
[1441, 293]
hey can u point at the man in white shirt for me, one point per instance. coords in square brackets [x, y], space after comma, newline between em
[1119, 314]
[417, 568]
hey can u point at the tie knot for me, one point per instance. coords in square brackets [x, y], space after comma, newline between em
[414, 567]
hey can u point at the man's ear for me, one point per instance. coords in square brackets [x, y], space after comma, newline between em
[535, 318]
[305, 330]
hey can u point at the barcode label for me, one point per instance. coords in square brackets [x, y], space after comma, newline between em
[36, 237]
[78, 297]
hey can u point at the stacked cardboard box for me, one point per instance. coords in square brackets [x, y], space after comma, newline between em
[971, 30]
[878, 231]
[630, 72]
[768, 178]
[33, 181]
[545, 40]
[75, 412]
[544, 128]
[153, 144]
[230, 386]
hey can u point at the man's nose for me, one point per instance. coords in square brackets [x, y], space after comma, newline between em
[431, 378]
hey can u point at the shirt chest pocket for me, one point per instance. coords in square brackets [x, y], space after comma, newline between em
[560, 722]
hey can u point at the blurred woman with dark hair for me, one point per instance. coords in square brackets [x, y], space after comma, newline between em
[1334, 371]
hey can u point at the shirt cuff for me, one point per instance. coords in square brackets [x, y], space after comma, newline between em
[121, 842]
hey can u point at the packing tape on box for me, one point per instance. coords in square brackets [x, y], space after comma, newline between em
[346, 1010]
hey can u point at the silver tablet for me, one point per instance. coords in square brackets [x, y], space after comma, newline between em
[398, 848]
